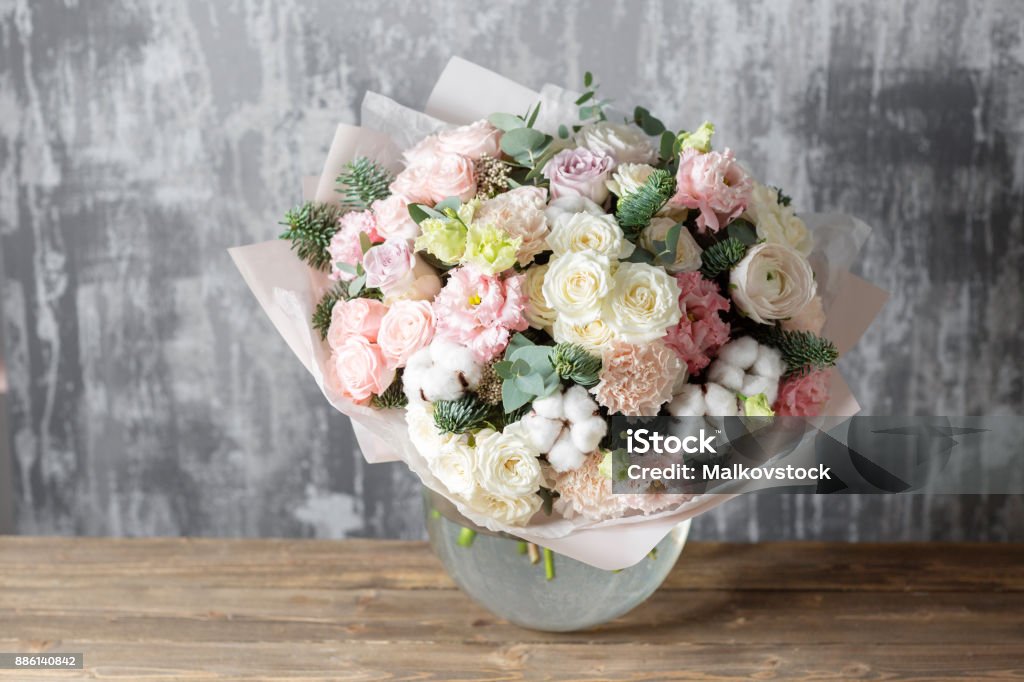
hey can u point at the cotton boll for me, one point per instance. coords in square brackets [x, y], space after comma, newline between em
[740, 353]
[754, 384]
[726, 374]
[578, 406]
[461, 362]
[587, 434]
[420, 360]
[441, 384]
[565, 456]
[541, 431]
[550, 407]
[769, 363]
[689, 402]
[721, 401]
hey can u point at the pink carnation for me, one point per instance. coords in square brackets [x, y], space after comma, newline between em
[803, 396]
[345, 247]
[480, 311]
[714, 183]
[701, 330]
[636, 380]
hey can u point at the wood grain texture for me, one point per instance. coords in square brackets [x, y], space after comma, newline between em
[149, 395]
[266, 609]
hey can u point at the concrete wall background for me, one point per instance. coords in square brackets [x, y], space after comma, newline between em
[138, 140]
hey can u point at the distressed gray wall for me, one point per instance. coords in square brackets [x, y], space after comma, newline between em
[149, 395]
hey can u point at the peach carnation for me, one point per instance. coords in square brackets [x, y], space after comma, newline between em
[701, 331]
[636, 380]
[802, 396]
[587, 492]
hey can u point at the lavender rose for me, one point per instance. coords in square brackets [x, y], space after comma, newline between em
[579, 172]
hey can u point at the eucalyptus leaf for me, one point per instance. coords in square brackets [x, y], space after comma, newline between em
[506, 122]
[588, 79]
[743, 231]
[531, 383]
[563, 132]
[450, 202]
[522, 140]
[533, 117]
[511, 397]
[503, 369]
[668, 141]
[364, 242]
[421, 212]
[585, 97]
[356, 285]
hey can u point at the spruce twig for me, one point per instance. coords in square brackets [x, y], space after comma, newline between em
[802, 351]
[310, 228]
[635, 210]
[324, 311]
[393, 396]
[459, 416]
[721, 257]
[363, 182]
[575, 363]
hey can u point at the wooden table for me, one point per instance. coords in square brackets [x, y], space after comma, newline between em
[366, 610]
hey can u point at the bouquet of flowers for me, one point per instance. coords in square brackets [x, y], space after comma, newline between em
[482, 298]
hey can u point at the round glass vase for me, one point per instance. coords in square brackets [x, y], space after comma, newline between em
[535, 588]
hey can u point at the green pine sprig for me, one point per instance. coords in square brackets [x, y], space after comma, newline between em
[461, 416]
[324, 311]
[802, 351]
[635, 210]
[575, 363]
[721, 257]
[363, 182]
[310, 228]
[393, 396]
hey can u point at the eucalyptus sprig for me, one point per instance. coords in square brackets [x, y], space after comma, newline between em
[527, 373]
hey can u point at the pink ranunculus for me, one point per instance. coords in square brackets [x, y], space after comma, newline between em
[636, 380]
[480, 311]
[520, 212]
[407, 327]
[451, 175]
[412, 184]
[356, 317]
[579, 172]
[701, 330]
[361, 368]
[389, 266]
[803, 396]
[393, 219]
[345, 247]
[716, 184]
[472, 141]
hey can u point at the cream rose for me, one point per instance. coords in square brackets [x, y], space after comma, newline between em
[594, 335]
[506, 464]
[628, 178]
[687, 250]
[472, 141]
[566, 207]
[454, 465]
[511, 511]
[623, 142]
[643, 304]
[576, 283]
[776, 223]
[538, 313]
[772, 282]
[520, 213]
[588, 232]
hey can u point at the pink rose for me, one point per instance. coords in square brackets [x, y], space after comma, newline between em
[714, 183]
[356, 317]
[472, 141]
[811, 318]
[407, 327]
[802, 396]
[361, 369]
[423, 153]
[412, 185]
[393, 219]
[451, 175]
[701, 330]
[345, 247]
[389, 266]
[520, 212]
[479, 311]
[579, 172]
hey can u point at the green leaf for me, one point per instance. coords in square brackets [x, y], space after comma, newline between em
[364, 242]
[503, 369]
[742, 231]
[647, 122]
[356, 285]
[533, 117]
[522, 140]
[421, 212]
[511, 397]
[538, 358]
[347, 268]
[530, 383]
[506, 122]
[563, 132]
[668, 142]
[588, 79]
[516, 342]
[585, 97]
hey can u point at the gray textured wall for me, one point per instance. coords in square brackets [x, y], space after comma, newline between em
[149, 395]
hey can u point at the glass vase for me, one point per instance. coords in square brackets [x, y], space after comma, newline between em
[535, 588]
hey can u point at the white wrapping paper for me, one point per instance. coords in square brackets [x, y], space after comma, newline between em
[288, 291]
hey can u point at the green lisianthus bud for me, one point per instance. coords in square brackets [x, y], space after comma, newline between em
[699, 139]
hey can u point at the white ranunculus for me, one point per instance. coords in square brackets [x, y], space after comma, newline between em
[566, 207]
[776, 223]
[506, 464]
[772, 282]
[512, 511]
[539, 314]
[594, 335]
[628, 178]
[687, 250]
[588, 232]
[576, 284]
[624, 142]
[643, 304]
[454, 465]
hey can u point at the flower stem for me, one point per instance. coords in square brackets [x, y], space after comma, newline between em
[549, 564]
[521, 547]
[466, 537]
[531, 549]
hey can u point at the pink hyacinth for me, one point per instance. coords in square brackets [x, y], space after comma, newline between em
[803, 396]
[480, 311]
[714, 183]
[701, 330]
[345, 247]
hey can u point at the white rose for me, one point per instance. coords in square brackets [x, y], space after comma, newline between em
[628, 178]
[419, 417]
[576, 283]
[623, 142]
[588, 232]
[776, 223]
[643, 304]
[594, 335]
[772, 282]
[566, 207]
[454, 465]
[687, 250]
[506, 464]
[511, 511]
[538, 313]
